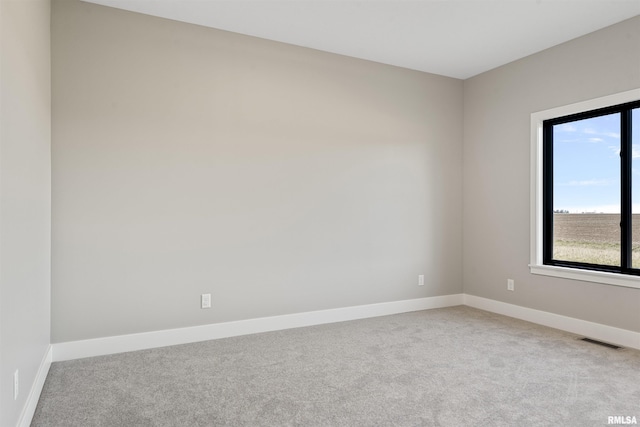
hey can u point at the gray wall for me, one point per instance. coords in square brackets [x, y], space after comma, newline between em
[25, 204]
[280, 179]
[497, 110]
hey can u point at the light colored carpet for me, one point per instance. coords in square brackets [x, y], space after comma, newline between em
[456, 366]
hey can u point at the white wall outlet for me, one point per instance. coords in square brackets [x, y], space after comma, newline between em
[16, 384]
[205, 301]
[510, 285]
[421, 280]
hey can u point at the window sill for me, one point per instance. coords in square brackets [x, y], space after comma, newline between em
[615, 279]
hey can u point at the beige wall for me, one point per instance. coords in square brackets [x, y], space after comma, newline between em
[25, 206]
[280, 179]
[497, 110]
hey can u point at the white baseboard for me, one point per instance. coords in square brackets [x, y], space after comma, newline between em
[132, 342]
[123, 343]
[36, 389]
[609, 334]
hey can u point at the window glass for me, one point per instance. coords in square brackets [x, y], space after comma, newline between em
[586, 191]
[635, 186]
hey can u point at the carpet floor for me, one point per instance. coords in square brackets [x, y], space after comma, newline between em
[454, 366]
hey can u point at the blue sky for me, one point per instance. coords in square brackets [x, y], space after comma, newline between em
[587, 165]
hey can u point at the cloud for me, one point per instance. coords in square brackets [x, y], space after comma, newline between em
[568, 128]
[635, 151]
[588, 183]
[587, 134]
[590, 131]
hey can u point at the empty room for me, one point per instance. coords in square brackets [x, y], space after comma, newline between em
[319, 213]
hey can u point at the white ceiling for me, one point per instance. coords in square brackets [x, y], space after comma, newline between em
[456, 38]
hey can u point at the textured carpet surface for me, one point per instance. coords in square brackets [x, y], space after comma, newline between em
[455, 366]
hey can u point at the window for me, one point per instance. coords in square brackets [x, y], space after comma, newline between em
[586, 191]
[588, 219]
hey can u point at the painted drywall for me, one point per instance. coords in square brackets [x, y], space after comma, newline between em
[25, 203]
[497, 109]
[188, 160]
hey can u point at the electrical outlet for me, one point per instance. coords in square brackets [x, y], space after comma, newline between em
[510, 285]
[16, 384]
[205, 301]
[421, 280]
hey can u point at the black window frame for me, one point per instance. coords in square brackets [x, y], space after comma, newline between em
[626, 157]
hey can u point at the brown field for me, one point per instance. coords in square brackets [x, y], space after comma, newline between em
[592, 238]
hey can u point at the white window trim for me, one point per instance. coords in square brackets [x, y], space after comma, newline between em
[536, 266]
